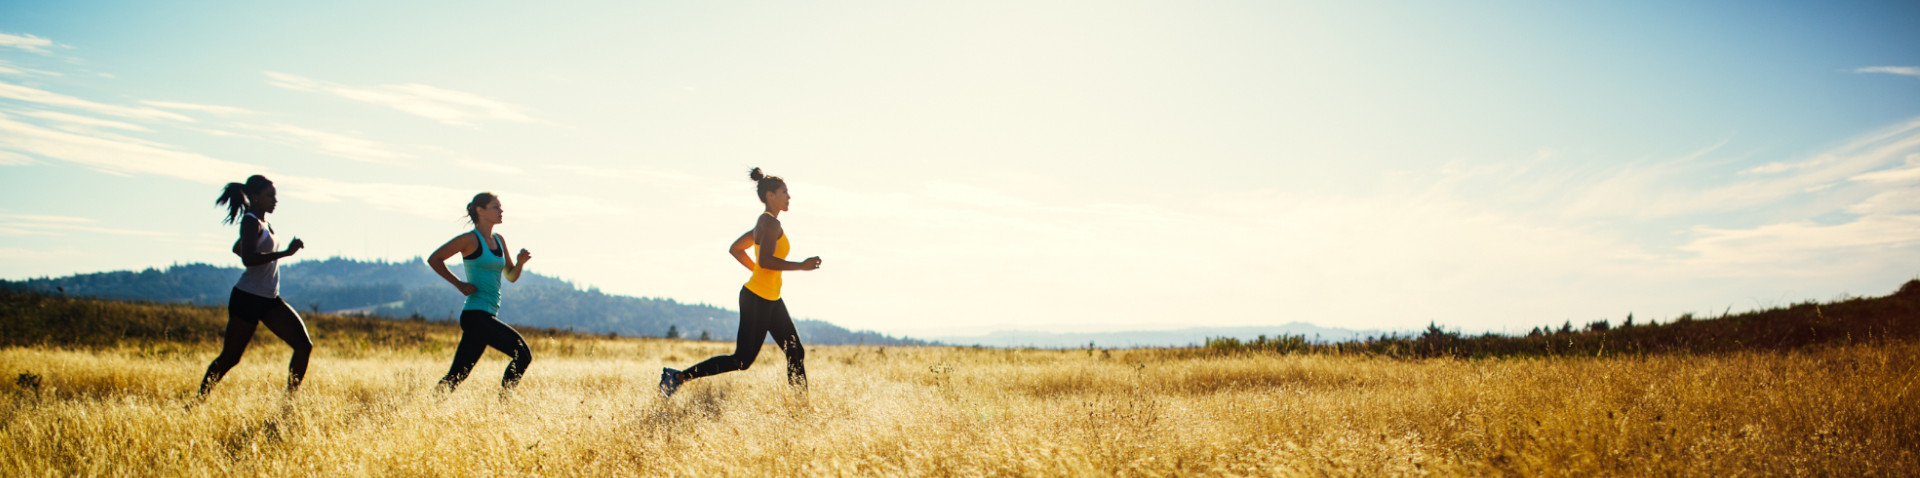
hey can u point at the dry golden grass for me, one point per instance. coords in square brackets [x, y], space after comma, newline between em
[588, 408]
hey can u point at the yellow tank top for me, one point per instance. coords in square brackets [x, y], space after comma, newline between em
[766, 282]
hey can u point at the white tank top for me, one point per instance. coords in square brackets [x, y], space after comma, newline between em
[261, 280]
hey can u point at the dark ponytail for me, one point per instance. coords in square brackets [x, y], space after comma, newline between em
[234, 195]
[767, 183]
[479, 201]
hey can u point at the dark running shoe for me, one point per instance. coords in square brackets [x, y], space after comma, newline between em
[669, 382]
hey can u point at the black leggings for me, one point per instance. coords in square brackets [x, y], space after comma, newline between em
[479, 330]
[759, 318]
[245, 312]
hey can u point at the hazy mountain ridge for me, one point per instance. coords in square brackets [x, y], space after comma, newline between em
[408, 288]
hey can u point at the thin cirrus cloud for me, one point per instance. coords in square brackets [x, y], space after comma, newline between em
[27, 41]
[1907, 174]
[17, 70]
[85, 121]
[47, 98]
[1913, 71]
[215, 109]
[114, 154]
[83, 140]
[9, 158]
[45, 225]
[1654, 190]
[443, 105]
[429, 201]
[1872, 178]
[340, 145]
[1871, 185]
[1829, 215]
[487, 166]
[1799, 246]
[123, 156]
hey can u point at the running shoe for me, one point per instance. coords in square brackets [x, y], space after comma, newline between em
[669, 382]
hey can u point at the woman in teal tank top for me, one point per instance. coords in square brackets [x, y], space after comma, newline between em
[484, 259]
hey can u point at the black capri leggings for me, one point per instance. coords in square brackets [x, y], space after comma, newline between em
[758, 319]
[479, 330]
[245, 312]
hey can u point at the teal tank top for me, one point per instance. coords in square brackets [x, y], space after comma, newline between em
[484, 273]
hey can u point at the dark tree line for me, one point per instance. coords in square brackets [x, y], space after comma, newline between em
[1808, 324]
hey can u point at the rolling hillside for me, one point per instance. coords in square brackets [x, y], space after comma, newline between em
[410, 289]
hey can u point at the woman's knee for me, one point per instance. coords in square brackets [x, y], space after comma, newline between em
[226, 360]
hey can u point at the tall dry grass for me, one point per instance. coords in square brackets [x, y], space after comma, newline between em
[587, 407]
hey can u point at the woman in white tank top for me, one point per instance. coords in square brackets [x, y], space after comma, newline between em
[256, 297]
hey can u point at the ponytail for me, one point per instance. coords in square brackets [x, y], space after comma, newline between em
[234, 196]
[479, 201]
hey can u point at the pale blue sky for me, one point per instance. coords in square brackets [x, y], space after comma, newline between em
[975, 166]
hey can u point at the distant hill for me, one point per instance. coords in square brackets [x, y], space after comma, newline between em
[1154, 338]
[408, 289]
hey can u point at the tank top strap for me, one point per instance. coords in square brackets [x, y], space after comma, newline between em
[264, 225]
[484, 249]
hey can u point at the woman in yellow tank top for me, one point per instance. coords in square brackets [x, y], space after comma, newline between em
[762, 311]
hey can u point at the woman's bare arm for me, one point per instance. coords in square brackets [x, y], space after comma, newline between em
[515, 266]
[462, 244]
[769, 233]
[250, 231]
[739, 250]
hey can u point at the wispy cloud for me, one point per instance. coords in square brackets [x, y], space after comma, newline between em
[627, 173]
[343, 146]
[128, 157]
[1904, 174]
[31, 95]
[1799, 246]
[440, 104]
[215, 109]
[74, 119]
[1913, 71]
[28, 42]
[486, 166]
[7, 68]
[1781, 167]
[1863, 194]
[43, 218]
[1893, 201]
[17, 254]
[437, 202]
[43, 225]
[115, 155]
[1673, 188]
[123, 156]
[9, 158]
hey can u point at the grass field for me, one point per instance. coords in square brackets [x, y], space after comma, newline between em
[588, 408]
